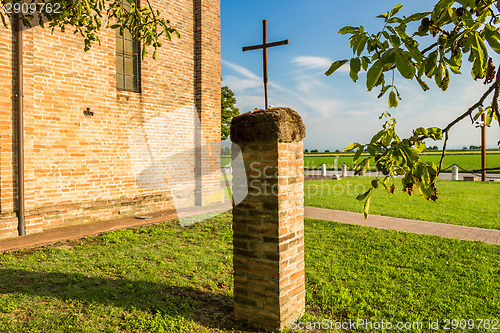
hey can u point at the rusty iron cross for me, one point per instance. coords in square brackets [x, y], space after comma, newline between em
[264, 47]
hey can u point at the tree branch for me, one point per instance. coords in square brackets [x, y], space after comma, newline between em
[429, 48]
[496, 87]
[444, 151]
[494, 103]
[472, 108]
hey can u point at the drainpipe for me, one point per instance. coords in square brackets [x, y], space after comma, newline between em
[20, 128]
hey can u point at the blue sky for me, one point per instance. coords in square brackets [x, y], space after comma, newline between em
[335, 110]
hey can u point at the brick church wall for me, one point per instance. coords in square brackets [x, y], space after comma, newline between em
[81, 168]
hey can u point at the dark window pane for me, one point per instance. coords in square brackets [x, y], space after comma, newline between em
[119, 44]
[129, 66]
[119, 63]
[127, 60]
[129, 82]
[127, 35]
[120, 82]
[129, 47]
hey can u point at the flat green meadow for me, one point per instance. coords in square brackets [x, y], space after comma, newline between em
[465, 161]
[472, 204]
[165, 278]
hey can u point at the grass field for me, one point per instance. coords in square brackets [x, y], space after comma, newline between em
[466, 159]
[164, 278]
[464, 203]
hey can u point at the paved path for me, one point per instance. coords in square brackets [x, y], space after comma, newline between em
[394, 223]
[57, 234]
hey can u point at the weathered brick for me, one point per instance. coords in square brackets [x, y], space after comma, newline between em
[274, 231]
[81, 164]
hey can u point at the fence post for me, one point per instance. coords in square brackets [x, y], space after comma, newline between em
[344, 170]
[268, 225]
[323, 169]
[454, 172]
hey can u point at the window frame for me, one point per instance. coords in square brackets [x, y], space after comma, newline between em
[122, 56]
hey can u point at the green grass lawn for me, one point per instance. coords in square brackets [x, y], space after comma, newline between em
[472, 204]
[465, 161]
[164, 278]
[468, 160]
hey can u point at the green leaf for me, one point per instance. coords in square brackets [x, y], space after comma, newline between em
[393, 101]
[431, 64]
[422, 84]
[479, 49]
[358, 154]
[351, 146]
[454, 66]
[395, 20]
[384, 90]
[395, 41]
[362, 196]
[365, 61]
[348, 30]
[493, 42]
[377, 136]
[336, 65]
[395, 10]
[477, 69]
[435, 133]
[355, 68]
[416, 17]
[367, 206]
[420, 146]
[404, 65]
[442, 77]
[479, 113]
[360, 45]
[373, 74]
[384, 16]
[489, 118]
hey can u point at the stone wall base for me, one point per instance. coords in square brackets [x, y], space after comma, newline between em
[41, 218]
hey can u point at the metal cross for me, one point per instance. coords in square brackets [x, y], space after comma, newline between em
[264, 47]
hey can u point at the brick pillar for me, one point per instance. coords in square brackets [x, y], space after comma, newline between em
[207, 92]
[269, 284]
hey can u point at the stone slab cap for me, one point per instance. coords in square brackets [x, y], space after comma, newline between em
[274, 124]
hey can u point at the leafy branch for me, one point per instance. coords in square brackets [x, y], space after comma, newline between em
[85, 18]
[457, 28]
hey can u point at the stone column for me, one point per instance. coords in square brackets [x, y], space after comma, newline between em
[454, 172]
[344, 170]
[269, 283]
[323, 169]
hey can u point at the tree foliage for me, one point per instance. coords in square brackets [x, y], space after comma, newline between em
[228, 110]
[422, 46]
[85, 18]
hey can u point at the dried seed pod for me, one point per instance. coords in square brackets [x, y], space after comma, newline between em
[490, 72]
[426, 22]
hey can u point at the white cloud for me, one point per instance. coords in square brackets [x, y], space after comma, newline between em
[241, 70]
[323, 63]
[241, 84]
[312, 62]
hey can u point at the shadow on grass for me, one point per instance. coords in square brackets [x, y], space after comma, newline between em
[209, 309]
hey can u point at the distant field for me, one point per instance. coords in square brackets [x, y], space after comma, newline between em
[468, 160]
[465, 161]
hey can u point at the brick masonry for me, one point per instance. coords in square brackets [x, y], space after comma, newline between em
[269, 282]
[80, 168]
